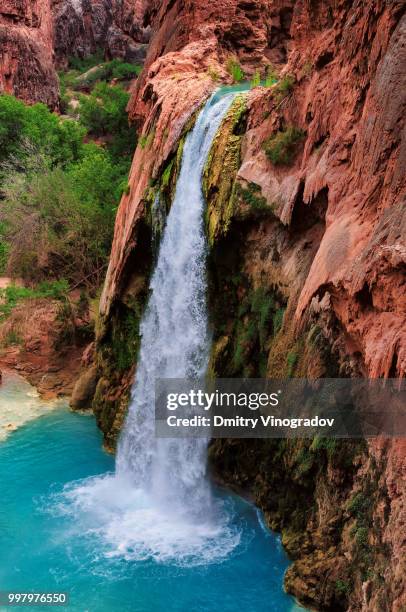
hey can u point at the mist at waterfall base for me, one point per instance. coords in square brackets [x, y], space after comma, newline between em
[154, 534]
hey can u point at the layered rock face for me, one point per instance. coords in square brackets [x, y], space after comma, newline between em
[117, 27]
[306, 223]
[26, 59]
[36, 36]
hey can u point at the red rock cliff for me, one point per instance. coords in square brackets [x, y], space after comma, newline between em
[331, 244]
[26, 51]
[37, 35]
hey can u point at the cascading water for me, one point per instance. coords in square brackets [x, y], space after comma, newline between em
[174, 332]
[158, 504]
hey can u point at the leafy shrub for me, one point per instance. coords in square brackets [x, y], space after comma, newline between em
[271, 76]
[281, 147]
[358, 504]
[361, 536]
[59, 223]
[123, 70]
[104, 112]
[61, 139]
[12, 295]
[82, 64]
[256, 79]
[234, 69]
[284, 86]
[343, 587]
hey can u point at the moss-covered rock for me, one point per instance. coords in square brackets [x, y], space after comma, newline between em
[221, 169]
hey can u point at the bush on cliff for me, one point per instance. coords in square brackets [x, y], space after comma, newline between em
[281, 147]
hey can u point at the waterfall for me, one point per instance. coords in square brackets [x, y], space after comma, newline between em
[158, 504]
[174, 334]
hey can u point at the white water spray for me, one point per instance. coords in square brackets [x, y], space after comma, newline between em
[175, 339]
[158, 504]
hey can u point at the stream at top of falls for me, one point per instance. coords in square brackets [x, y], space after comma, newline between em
[154, 534]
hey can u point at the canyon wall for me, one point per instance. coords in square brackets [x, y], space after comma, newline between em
[26, 58]
[117, 27]
[39, 36]
[306, 222]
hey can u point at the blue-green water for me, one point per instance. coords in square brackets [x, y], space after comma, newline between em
[44, 548]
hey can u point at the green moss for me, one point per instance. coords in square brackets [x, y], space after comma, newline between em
[343, 587]
[251, 195]
[146, 140]
[291, 360]
[142, 141]
[256, 79]
[221, 170]
[277, 320]
[166, 174]
[281, 148]
[284, 87]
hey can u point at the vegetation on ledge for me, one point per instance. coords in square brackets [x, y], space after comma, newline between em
[282, 146]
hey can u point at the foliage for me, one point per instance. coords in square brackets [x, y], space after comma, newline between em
[271, 76]
[82, 64]
[60, 139]
[126, 339]
[123, 70]
[59, 194]
[281, 147]
[103, 112]
[343, 587]
[277, 320]
[252, 195]
[361, 536]
[291, 361]
[59, 222]
[85, 73]
[284, 86]
[252, 332]
[234, 69]
[256, 79]
[12, 295]
[358, 505]
[327, 444]
[12, 337]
